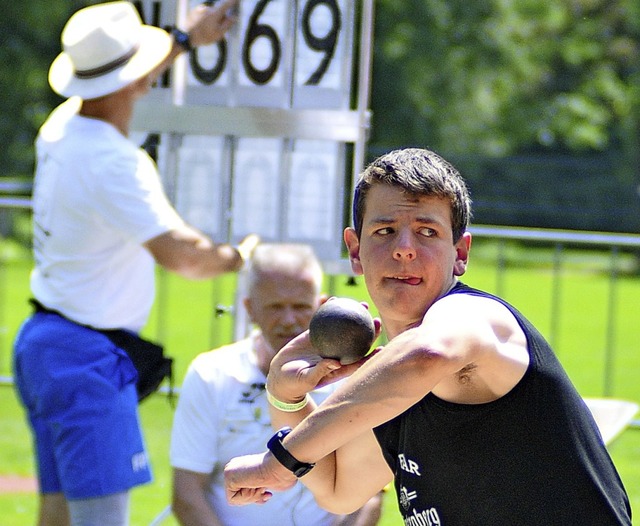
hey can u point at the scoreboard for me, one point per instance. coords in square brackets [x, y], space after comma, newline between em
[264, 131]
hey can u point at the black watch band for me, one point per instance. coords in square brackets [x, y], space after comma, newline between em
[182, 39]
[283, 456]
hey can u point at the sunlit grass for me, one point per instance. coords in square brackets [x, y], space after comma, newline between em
[188, 325]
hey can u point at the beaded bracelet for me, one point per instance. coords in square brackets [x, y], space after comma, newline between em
[287, 408]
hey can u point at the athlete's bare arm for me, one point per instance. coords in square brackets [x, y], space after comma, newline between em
[467, 349]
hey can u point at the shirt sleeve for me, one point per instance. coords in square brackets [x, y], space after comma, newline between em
[194, 435]
[131, 198]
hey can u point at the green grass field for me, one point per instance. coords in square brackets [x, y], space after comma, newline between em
[188, 326]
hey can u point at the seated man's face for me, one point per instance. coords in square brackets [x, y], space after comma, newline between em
[282, 305]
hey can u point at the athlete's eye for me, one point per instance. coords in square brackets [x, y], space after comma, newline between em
[427, 232]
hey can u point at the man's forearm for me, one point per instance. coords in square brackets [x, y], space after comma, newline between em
[195, 512]
[204, 25]
[388, 384]
[190, 504]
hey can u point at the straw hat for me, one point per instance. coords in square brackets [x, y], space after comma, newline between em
[105, 48]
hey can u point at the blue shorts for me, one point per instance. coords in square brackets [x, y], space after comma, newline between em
[80, 394]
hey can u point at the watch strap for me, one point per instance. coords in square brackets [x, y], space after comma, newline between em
[182, 39]
[283, 456]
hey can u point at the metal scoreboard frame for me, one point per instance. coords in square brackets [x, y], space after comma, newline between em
[265, 131]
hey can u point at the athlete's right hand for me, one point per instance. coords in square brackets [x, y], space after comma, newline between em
[297, 369]
[247, 478]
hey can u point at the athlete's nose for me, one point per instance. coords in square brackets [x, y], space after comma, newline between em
[405, 246]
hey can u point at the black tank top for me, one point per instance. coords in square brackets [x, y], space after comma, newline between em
[533, 457]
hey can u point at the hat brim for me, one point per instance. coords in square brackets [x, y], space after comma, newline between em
[155, 45]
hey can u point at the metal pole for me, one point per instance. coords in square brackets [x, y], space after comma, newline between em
[555, 294]
[4, 329]
[500, 268]
[610, 344]
[364, 88]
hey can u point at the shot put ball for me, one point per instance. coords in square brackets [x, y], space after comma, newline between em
[342, 329]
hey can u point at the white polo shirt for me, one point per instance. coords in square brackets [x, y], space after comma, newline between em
[223, 413]
[97, 198]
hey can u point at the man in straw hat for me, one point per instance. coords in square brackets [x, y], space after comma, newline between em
[101, 219]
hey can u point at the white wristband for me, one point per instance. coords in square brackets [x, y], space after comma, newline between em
[284, 406]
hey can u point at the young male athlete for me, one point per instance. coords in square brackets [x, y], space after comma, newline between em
[466, 408]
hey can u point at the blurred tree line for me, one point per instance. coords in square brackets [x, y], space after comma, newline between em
[506, 76]
[538, 103]
[523, 95]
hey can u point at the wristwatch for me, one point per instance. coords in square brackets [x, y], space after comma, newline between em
[182, 39]
[285, 458]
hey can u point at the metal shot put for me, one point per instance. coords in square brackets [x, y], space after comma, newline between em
[343, 329]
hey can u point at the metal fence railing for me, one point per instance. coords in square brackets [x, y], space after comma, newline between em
[611, 247]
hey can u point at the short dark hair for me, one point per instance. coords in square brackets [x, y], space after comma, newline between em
[418, 172]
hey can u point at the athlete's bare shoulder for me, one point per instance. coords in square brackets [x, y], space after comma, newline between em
[487, 333]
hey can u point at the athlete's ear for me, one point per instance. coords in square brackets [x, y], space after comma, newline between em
[353, 247]
[462, 247]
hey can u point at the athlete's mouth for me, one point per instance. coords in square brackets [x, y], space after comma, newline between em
[409, 280]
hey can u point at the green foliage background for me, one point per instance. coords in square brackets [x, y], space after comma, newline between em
[520, 94]
[189, 326]
[506, 76]
[491, 78]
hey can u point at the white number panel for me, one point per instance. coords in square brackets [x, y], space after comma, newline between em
[323, 53]
[264, 131]
[281, 53]
[256, 199]
[200, 189]
[315, 187]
